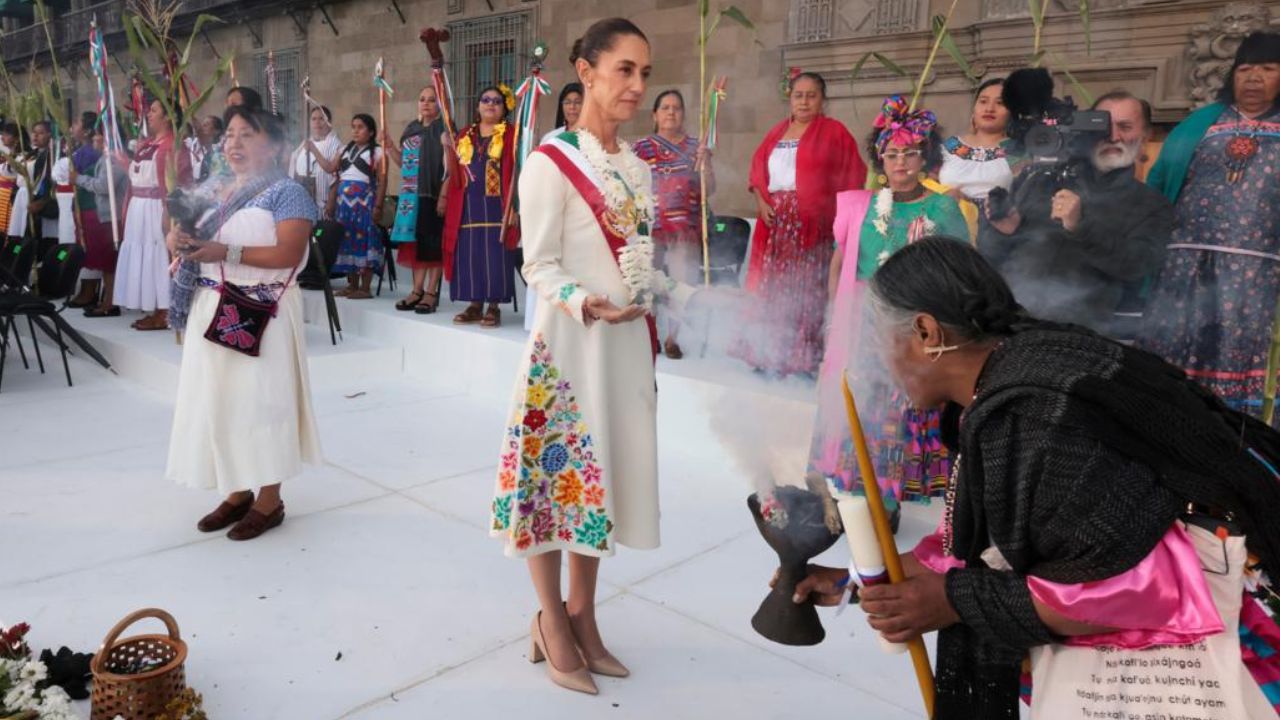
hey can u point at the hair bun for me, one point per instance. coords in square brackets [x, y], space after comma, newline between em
[989, 318]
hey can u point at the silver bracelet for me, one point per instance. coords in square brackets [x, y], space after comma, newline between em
[234, 252]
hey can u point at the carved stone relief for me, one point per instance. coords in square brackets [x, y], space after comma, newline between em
[1213, 46]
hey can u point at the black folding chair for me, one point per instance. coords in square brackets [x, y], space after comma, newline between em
[728, 238]
[56, 280]
[326, 238]
[17, 257]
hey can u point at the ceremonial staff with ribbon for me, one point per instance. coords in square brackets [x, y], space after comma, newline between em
[106, 117]
[273, 91]
[528, 93]
[432, 37]
[710, 135]
[384, 91]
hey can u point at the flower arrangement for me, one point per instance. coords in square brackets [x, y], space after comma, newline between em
[629, 204]
[187, 706]
[25, 689]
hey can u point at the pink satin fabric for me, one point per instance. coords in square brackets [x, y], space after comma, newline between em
[1163, 600]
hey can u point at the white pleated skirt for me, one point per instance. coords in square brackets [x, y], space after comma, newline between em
[18, 211]
[142, 270]
[243, 422]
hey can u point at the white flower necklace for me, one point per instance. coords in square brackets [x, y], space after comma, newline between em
[884, 210]
[629, 210]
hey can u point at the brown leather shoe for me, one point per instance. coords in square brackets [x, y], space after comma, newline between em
[224, 515]
[255, 523]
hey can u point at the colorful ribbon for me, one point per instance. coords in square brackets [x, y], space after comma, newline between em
[106, 95]
[715, 94]
[529, 91]
[380, 79]
[899, 125]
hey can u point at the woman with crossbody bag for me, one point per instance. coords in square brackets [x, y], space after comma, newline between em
[243, 419]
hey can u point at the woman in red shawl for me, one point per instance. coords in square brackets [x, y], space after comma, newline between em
[795, 175]
[478, 245]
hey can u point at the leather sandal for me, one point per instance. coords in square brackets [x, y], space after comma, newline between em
[224, 515]
[410, 301]
[97, 312]
[472, 315]
[492, 317]
[427, 308]
[152, 322]
[255, 523]
[672, 350]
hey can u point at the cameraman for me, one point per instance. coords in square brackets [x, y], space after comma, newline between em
[1080, 241]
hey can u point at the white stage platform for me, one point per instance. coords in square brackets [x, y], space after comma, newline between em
[381, 596]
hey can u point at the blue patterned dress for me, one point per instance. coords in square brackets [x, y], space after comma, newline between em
[361, 247]
[1212, 308]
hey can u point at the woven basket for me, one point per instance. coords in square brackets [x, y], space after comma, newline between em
[138, 696]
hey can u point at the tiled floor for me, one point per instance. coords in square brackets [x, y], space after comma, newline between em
[382, 596]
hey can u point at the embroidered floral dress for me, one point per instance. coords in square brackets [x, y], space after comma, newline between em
[578, 468]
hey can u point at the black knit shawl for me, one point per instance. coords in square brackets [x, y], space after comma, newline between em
[1078, 454]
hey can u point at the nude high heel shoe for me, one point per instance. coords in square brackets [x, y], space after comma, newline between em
[608, 665]
[578, 680]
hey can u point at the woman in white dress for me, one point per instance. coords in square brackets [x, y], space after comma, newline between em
[578, 470]
[12, 180]
[243, 423]
[142, 270]
[975, 163]
[308, 162]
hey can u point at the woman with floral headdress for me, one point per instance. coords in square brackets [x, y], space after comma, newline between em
[795, 174]
[477, 242]
[910, 461]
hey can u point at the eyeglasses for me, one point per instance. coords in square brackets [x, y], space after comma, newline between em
[490, 100]
[904, 155]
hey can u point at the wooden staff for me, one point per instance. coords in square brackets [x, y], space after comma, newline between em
[880, 518]
[380, 80]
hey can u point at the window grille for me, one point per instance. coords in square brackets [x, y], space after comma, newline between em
[486, 51]
[894, 16]
[811, 20]
[288, 78]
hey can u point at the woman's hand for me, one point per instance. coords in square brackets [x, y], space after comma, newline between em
[906, 610]
[385, 139]
[764, 211]
[703, 158]
[176, 240]
[600, 307]
[203, 251]
[442, 205]
[446, 140]
[823, 585]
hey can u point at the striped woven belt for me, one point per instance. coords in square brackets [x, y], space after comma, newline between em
[1228, 250]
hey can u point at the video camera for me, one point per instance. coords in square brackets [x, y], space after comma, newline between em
[1057, 137]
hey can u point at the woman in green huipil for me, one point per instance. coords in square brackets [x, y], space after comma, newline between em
[869, 227]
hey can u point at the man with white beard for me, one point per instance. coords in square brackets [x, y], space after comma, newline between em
[1087, 260]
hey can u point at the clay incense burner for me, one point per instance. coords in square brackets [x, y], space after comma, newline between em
[795, 524]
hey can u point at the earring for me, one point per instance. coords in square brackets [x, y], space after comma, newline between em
[922, 175]
[882, 180]
[940, 349]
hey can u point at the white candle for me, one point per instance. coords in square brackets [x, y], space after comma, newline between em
[864, 547]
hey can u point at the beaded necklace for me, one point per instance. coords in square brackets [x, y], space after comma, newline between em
[1241, 147]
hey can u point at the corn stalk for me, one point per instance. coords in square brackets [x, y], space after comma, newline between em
[148, 30]
[704, 36]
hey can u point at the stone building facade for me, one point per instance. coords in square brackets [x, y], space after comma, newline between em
[1170, 51]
